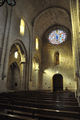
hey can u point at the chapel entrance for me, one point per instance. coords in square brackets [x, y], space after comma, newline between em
[57, 82]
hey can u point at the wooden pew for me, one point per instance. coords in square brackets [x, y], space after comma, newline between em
[43, 113]
[35, 110]
[41, 107]
[55, 105]
[7, 116]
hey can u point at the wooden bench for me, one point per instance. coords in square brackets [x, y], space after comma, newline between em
[49, 106]
[6, 116]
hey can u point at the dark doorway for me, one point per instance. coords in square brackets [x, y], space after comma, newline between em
[57, 82]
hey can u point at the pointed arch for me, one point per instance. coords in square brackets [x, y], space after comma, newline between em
[21, 62]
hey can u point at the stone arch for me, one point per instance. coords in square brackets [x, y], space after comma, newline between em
[50, 17]
[21, 61]
[47, 19]
[44, 22]
[19, 42]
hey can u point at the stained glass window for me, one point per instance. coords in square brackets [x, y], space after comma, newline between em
[57, 36]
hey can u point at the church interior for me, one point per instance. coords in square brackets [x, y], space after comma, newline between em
[39, 60]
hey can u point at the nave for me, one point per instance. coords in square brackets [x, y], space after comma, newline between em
[39, 105]
[40, 60]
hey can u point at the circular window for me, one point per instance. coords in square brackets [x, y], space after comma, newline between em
[57, 36]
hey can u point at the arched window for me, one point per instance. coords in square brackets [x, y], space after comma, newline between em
[56, 58]
[57, 36]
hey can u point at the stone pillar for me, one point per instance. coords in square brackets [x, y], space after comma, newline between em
[75, 31]
[78, 46]
[5, 52]
[75, 16]
[40, 78]
[23, 84]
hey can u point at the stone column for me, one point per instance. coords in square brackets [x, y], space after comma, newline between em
[5, 52]
[75, 35]
[78, 46]
[75, 16]
[23, 83]
[40, 78]
[6, 42]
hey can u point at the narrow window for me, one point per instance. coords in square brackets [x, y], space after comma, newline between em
[56, 58]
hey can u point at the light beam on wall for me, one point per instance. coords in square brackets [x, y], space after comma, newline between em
[35, 66]
[37, 43]
[22, 27]
[57, 72]
[16, 54]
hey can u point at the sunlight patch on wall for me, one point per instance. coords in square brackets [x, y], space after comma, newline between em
[35, 66]
[22, 27]
[16, 55]
[37, 43]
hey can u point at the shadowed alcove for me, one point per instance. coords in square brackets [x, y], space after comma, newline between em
[13, 76]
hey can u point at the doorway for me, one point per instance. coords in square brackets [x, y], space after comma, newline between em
[57, 82]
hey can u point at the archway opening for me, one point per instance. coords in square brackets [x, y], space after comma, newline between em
[17, 66]
[57, 82]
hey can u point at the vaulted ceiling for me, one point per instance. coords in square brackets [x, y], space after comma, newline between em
[30, 9]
